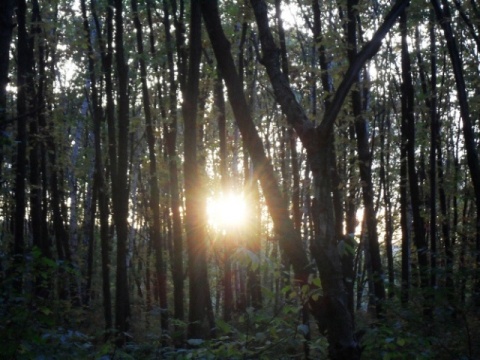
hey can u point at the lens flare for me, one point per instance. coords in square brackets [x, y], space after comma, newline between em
[227, 211]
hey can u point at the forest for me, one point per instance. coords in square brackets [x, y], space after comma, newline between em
[239, 179]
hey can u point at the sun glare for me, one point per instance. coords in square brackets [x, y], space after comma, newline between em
[226, 211]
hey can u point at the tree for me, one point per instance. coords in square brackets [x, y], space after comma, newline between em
[194, 198]
[100, 187]
[120, 181]
[316, 141]
[6, 29]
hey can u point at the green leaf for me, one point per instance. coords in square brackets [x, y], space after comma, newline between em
[223, 326]
[45, 311]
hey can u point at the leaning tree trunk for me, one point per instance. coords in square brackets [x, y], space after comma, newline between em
[289, 238]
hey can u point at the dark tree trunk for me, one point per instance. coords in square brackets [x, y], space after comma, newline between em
[219, 101]
[404, 221]
[106, 231]
[408, 126]
[434, 140]
[297, 216]
[121, 193]
[437, 168]
[327, 85]
[387, 196]
[99, 188]
[24, 71]
[364, 157]
[194, 198]
[6, 27]
[37, 148]
[171, 147]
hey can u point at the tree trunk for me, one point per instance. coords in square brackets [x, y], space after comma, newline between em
[175, 203]
[408, 126]
[37, 150]
[100, 188]
[219, 102]
[7, 8]
[121, 194]
[194, 198]
[365, 164]
[387, 196]
[24, 71]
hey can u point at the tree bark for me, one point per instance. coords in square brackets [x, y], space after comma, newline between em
[195, 220]
[100, 188]
[387, 196]
[24, 71]
[7, 8]
[175, 203]
[408, 126]
[121, 193]
[365, 164]
[36, 137]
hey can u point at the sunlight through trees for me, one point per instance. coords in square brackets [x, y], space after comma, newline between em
[224, 179]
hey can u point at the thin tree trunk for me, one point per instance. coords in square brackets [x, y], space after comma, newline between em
[24, 71]
[7, 8]
[364, 157]
[171, 147]
[222, 135]
[100, 188]
[121, 193]
[387, 195]
[408, 126]
[37, 153]
[194, 197]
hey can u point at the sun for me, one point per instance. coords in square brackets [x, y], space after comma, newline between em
[228, 211]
